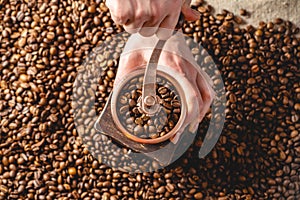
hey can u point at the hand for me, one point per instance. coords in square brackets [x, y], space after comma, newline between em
[175, 54]
[146, 16]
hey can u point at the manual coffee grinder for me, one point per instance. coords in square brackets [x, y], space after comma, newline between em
[147, 109]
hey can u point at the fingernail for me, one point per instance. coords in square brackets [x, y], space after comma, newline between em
[176, 137]
[193, 126]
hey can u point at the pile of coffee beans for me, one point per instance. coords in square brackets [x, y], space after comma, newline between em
[141, 124]
[42, 47]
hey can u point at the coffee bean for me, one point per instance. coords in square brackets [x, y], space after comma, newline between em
[22, 42]
[198, 195]
[5, 161]
[143, 123]
[72, 171]
[243, 12]
[21, 188]
[251, 81]
[138, 130]
[3, 189]
[278, 21]
[50, 35]
[110, 74]
[92, 9]
[161, 190]
[170, 187]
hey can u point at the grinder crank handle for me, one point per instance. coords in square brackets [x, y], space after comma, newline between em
[149, 99]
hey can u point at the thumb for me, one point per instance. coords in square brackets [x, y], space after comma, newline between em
[189, 13]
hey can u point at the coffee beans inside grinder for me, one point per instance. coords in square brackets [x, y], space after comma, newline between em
[146, 127]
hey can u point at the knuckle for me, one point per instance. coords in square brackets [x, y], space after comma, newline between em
[122, 17]
[155, 15]
[141, 15]
[119, 15]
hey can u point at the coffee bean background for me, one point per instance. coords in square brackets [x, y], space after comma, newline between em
[43, 46]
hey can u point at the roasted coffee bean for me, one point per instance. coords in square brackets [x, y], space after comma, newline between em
[138, 121]
[72, 171]
[243, 12]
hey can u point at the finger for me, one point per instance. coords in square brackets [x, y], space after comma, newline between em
[193, 127]
[140, 17]
[194, 104]
[120, 20]
[207, 95]
[204, 74]
[131, 61]
[193, 95]
[194, 107]
[176, 63]
[150, 27]
[176, 137]
[120, 13]
[167, 26]
[195, 110]
[192, 75]
[189, 13]
[200, 104]
[209, 84]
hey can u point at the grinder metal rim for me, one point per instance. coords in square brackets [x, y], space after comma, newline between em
[168, 135]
